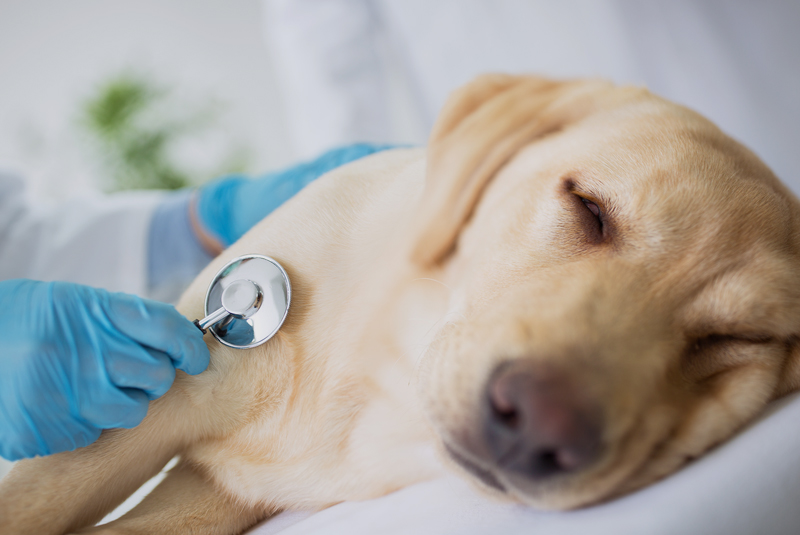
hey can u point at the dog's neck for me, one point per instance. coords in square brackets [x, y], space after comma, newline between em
[342, 366]
[358, 300]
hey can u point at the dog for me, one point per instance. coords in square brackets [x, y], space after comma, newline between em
[577, 289]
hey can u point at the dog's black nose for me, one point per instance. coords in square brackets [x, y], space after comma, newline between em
[536, 424]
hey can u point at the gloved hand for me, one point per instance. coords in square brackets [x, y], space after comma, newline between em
[229, 207]
[75, 360]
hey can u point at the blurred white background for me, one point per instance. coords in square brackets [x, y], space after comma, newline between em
[54, 54]
[293, 77]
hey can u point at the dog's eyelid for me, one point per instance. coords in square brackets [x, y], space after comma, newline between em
[585, 196]
[722, 338]
[754, 338]
[592, 206]
[589, 199]
[700, 342]
[594, 212]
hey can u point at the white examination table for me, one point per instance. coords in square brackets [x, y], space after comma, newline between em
[748, 486]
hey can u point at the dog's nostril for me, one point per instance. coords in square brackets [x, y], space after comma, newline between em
[509, 418]
[503, 411]
[545, 462]
[536, 424]
[550, 461]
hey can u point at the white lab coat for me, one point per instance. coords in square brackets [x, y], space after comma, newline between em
[100, 241]
[357, 70]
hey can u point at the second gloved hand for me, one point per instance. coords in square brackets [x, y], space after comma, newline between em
[229, 207]
[76, 360]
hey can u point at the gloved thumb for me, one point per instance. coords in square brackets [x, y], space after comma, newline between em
[159, 326]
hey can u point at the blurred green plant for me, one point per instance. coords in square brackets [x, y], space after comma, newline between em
[135, 125]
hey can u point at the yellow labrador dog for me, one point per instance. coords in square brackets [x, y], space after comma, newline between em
[578, 289]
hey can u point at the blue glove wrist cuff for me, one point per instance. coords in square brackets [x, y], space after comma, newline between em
[229, 207]
[215, 205]
[174, 253]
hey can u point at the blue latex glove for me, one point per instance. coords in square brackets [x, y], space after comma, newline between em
[229, 207]
[75, 360]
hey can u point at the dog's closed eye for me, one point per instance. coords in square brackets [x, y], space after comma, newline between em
[591, 214]
[591, 218]
[593, 208]
[709, 355]
[716, 340]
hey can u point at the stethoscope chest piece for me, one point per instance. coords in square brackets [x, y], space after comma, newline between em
[247, 302]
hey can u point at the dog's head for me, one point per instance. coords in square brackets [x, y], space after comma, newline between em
[625, 286]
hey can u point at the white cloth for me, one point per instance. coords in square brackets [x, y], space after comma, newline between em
[735, 61]
[748, 485]
[98, 241]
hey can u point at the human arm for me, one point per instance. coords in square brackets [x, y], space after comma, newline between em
[95, 240]
[76, 360]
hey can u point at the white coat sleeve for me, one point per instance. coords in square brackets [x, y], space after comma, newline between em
[329, 68]
[100, 241]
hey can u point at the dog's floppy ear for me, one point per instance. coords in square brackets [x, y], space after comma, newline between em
[480, 128]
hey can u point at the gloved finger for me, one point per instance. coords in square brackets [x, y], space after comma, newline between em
[70, 435]
[197, 361]
[117, 407]
[61, 433]
[159, 326]
[19, 436]
[148, 370]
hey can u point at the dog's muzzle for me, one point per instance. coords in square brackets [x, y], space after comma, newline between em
[535, 427]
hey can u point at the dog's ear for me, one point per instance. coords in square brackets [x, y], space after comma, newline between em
[480, 128]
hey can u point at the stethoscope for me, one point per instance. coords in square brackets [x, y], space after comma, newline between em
[246, 302]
